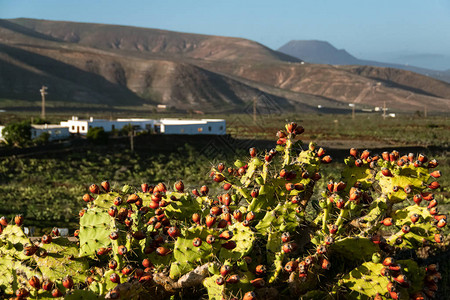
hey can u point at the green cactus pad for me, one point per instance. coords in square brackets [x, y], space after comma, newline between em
[355, 248]
[187, 255]
[244, 238]
[352, 174]
[281, 218]
[275, 255]
[252, 167]
[105, 201]
[215, 291]
[62, 260]
[264, 200]
[81, 295]
[95, 227]
[15, 240]
[402, 176]
[414, 273]
[184, 207]
[365, 281]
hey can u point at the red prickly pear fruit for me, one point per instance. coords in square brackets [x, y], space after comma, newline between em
[196, 218]
[197, 242]
[103, 251]
[435, 174]
[56, 293]
[354, 152]
[35, 282]
[385, 155]
[295, 199]
[47, 285]
[326, 159]
[3, 221]
[434, 211]
[230, 245]
[246, 223]
[129, 221]
[204, 190]
[233, 279]
[160, 187]
[146, 263]
[402, 280]
[406, 228]
[290, 186]
[333, 229]
[112, 211]
[299, 130]
[89, 280]
[250, 216]
[286, 237]
[195, 193]
[237, 215]
[417, 199]
[417, 164]
[281, 141]
[145, 187]
[163, 251]
[226, 199]
[422, 158]
[434, 185]
[290, 128]
[225, 270]
[329, 240]
[432, 164]
[299, 186]
[418, 296]
[287, 248]
[291, 266]
[153, 204]
[215, 211]
[260, 270]
[112, 264]
[281, 134]
[394, 295]
[227, 186]
[255, 193]
[386, 222]
[241, 171]
[325, 264]
[220, 167]
[87, 198]
[407, 189]
[173, 232]
[22, 293]
[283, 173]
[138, 235]
[127, 270]
[395, 268]
[67, 282]
[122, 250]
[330, 186]
[210, 239]
[132, 198]
[94, 189]
[359, 162]
[384, 272]
[76, 233]
[46, 239]
[179, 186]
[106, 186]
[55, 231]
[391, 287]
[227, 218]
[114, 277]
[114, 235]
[258, 283]
[210, 220]
[378, 297]
[432, 203]
[339, 203]
[252, 152]
[440, 217]
[118, 201]
[305, 175]
[365, 154]
[320, 152]
[220, 281]
[414, 218]
[218, 177]
[388, 261]
[393, 156]
[340, 186]
[427, 196]
[156, 196]
[441, 223]
[386, 172]
[251, 295]
[226, 235]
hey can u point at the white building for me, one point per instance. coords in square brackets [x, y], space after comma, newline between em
[180, 126]
[1, 134]
[82, 126]
[56, 132]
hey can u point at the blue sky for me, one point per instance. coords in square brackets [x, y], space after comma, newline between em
[365, 28]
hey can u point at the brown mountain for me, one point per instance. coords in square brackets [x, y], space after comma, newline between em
[128, 66]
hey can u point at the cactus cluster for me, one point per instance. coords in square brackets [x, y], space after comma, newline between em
[263, 236]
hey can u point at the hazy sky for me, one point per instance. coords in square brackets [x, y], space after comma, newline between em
[363, 27]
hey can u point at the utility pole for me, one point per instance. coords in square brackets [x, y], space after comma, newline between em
[425, 111]
[254, 108]
[43, 91]
[131, 138]
[384, 110]
[352, 105]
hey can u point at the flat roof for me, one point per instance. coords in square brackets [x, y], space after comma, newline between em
[47, 126]
[188, 122]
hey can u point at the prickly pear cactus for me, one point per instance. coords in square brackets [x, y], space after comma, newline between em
[270, 233]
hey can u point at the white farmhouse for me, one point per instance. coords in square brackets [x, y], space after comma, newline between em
[82, 126]
[191, 127]
[1, 134]
[56, 132]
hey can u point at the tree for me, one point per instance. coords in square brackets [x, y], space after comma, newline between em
[97, 135]
[17, 134]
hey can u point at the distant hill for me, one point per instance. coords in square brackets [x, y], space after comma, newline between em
[122, 66]
[321, 52]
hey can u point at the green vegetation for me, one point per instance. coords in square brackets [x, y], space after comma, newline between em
[17, 134]
[265, 225]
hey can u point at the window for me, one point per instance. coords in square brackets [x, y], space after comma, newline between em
[82, 128]
[200, 129]
[57, 132]
[209, 128]
[112, 127]
[221, 127]
[182, 130]
[73, 127]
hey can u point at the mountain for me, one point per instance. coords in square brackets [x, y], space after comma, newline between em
[86, 64]
[321, 52]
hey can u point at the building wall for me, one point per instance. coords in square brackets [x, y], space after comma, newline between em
[60, 133]
[215, 128]
[1, 134]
